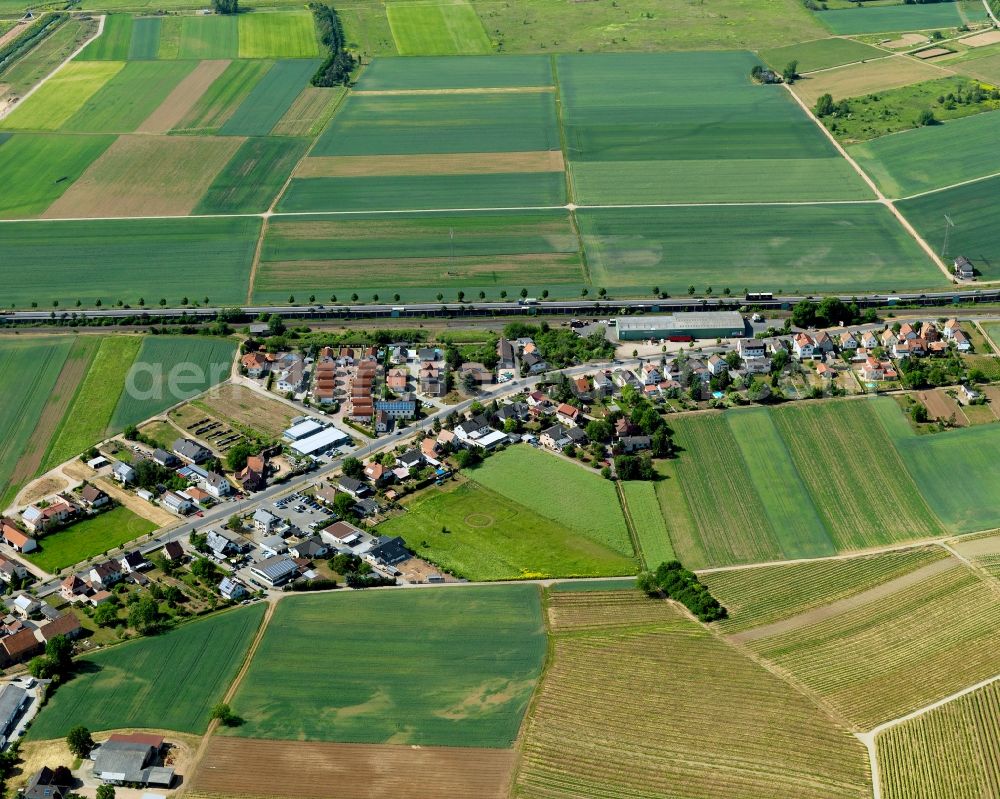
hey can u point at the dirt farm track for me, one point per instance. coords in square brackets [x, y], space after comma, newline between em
[238, 767]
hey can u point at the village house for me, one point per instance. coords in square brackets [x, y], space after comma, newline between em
[397, 379]
[275, 570]
[106, 574]
[803, 346]
[410, 459]
[404, 407]
[253, 476]
[264, 521]
[122, 472]
[256, 364]
[134, 561]
[431, 451]
[717, 365]
[961, 341]
[963, 268]
[217, 485]
[15, 539]
[232, 589]
[476, 373]
[73, 589]
[847, 341]
[377, 474]
[190, 451]
[65, 624]
[19, 647]
[476, 432]
[92, 497]
[57, 512]
[629, 444]
[952, 325]
[173, 551]
[557, 436]
[292, 379]
[177, 503]
[355, 488]
[11, 570]
[568, 415]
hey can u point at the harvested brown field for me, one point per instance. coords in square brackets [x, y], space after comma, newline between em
[906, 40]
[931, 52]
[531, 269]
[856, 80]
[182, 99]
[438, 164]
[982, 39]
[159, 516]
[243, 407]
[941, 407]
[142, 175]
[12, 34]
[310, 111]
[245, 767]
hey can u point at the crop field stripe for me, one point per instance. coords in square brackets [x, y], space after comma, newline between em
[796, 524]
[681, 527]
[114, 43]
[88, 419]
[168, 681]
[893, 19]
[290, 34]
[949, 753]
[145, 42]
[310, 112]
[268, 101]
[38, 168]
[644, 510]
[220, 101]
[898, 653]
[456, 72]
[437, 164]
[183, 98]
[253, 177]
[209, 37]
[62, 96]
[43, 358]
[384, 664]
[760, 596]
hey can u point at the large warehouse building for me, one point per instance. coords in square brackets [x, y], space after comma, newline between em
[682, 326]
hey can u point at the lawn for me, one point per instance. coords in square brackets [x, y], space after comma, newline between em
[88, 420]
[42, 357]
[114, 43]
[565, 492]
[898, 652]
[285, 35]
[168, 370]
[948, 753]
[904, 164]
[426, 192]
[146, 176]
[931, 458]
[167, 682]
[38, 168]
[480, 535]
[126, 100]
[417, 256]
[62, 96]
[126, 260]
[647, 520]
[448, 28]
[444, 667]
[474, 123]
[762, 595]
[456, 72]
[970, 208]
[893, 18]
[821, 54]
[270, 98]
[217, 105]
[253, 177]
[84, 540]
[615, 711]
[820, 249]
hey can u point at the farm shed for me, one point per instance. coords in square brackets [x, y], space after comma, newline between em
[700, 324]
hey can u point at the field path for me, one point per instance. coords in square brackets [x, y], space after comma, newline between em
[871, 184]
[11, 106]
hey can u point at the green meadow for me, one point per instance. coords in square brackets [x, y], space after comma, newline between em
[451, 28]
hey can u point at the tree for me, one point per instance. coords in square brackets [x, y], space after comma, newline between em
[343, 503]
[824, 105]
[275, 325]
[467, 458]
[144, 615]
[59, 651]
[353, 467]
[598, 430]
[791, 72]
[79, 741]
[226, 6]
[919, 413]
[105, 792]
[237, 456]
[224, 714]
[926, 118]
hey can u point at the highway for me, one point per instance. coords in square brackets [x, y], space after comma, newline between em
[605, 307]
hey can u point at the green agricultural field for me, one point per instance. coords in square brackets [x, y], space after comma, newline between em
[268, 101]
[821, 54]
[417, 256]
[285, 35]
[948, 753]
[614, 715]
[109, 260]
[125, 101]
[576, 586]
[456, 72]
[449, 28]
[170, 38]
[562, 491]
[209, 37]
[310, 112]
[970, 208]
[168, 370]
[88, 538]
[88, 419]
[979, 62]
[898, 652]
[486, 123]
[254, 176]
[761, 595]
[43, 59]
[167, 682]
[426, 192]
[38, 168]
[691, 127]
[904, 164]
[62, 96]
[478, 534]
[114, 43]
[453, 666]
[43, 358]
[992, 330]
[821, 249]
[647, 521]
[227, 93]
[145, 42]
[892, 18]
[930, 459]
